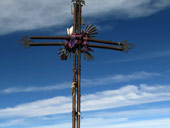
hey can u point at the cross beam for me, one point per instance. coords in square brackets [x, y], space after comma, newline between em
[77, 42]
[90, 45]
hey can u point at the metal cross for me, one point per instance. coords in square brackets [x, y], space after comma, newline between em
[76, 42]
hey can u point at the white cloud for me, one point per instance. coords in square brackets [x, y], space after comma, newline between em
[12, 123]
[156, 123]
[118, 78]
[28, 15]
[128, 95]
[17, 15]
[86, 82]
[51, 106]
[131, 114]
[63, 125]
[36, 89]
[126, 8]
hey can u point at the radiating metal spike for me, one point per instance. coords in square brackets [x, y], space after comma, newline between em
[94, 30]
[86, 28]
[89, 27]
[93, 33]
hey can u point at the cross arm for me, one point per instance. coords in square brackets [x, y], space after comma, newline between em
[106, 47]
[105, 42]
[50, 37]
[27, 42]
[125, 46]
[46, 44]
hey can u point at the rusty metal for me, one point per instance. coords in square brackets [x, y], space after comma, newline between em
[79, 87]
[79, 66]
[50, 37]
[79, 16]
[46, 44]
[105, 42]
[74, 72]
[74, 85]
[81, 44]
[75, 18]
[106, 47]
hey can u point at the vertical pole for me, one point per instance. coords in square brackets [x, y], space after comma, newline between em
[74, 91]
[79, 66]
[74, 84]
[78, 89]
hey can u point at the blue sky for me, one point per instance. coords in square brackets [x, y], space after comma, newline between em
[119, 90]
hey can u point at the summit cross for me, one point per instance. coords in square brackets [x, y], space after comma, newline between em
[77, 42]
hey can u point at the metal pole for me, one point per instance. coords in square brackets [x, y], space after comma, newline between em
[79, 66]
[78, 89]
[74, 84]
[75, 18]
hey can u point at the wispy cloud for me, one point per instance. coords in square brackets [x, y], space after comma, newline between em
[12, 123]
[156, 123]
[98, 123]
[118, 78]
[120, 115]
[131, 114]
[145, 56]
[128, 95]
[125, 96]
[107, 80]
[28, 15]
[96, 119]
[36, 89]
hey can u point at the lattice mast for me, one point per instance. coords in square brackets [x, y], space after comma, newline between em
[77, 42]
